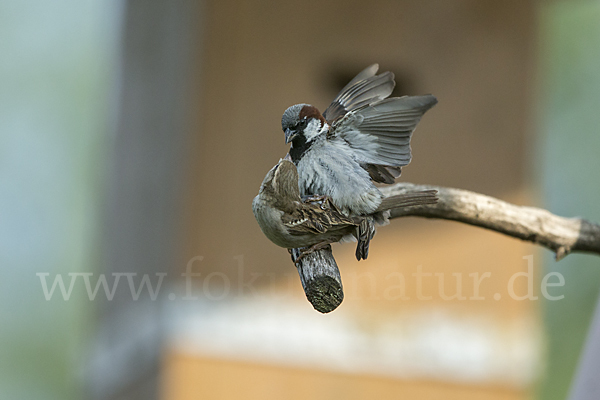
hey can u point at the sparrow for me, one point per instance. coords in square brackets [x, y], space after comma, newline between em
[290, 222]
[363, 137]
[313, 222]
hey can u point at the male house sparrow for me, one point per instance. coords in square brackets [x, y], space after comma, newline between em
[290, 222]
[361, 138]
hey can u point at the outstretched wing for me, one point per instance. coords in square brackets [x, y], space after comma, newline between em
[379, 133]
[364, 89]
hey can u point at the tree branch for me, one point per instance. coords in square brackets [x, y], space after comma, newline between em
[559, 234]
[321, 279]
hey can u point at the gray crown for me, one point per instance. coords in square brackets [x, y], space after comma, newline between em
[291, 116]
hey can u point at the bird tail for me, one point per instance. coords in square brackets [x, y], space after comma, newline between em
[366, 226]
[365, 232]
[409, 199]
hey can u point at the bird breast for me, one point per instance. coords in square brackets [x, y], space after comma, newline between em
[329, 168]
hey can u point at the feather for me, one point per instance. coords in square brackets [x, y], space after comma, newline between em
[380, 133]
[409, 199]
[364, 89]
[382, 174]
[315, 218]
[366, 231]
[366, 73]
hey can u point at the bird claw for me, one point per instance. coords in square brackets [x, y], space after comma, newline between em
[303, 254]
[311, 249]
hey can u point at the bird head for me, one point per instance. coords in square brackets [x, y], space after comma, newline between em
[281, 184]
[301, 123]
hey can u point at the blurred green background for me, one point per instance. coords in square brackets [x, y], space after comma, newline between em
[569, 161]
[58, 74]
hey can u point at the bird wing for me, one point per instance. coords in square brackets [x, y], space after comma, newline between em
[379, 133]
[364, 89]
[316, 219]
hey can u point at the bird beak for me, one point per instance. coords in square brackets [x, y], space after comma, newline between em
[290, 135]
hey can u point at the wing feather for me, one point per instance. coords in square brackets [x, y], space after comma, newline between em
[380, 133]
[364, 89]
[382, 174]
[317, 219]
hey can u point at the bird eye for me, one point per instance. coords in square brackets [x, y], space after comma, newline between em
[302, 123]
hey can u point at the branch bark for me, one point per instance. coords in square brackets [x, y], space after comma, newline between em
[536, 225]
[321, 278]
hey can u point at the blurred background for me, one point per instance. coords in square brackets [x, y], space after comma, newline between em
[135, 134]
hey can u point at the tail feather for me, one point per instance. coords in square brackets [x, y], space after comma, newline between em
[409, 199]
[365, 232]
[366, 227]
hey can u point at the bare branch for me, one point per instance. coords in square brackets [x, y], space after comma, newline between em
[559, 234]
[320, 279]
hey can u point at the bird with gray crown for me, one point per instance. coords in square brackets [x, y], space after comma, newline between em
[361, 139]
[291, 222]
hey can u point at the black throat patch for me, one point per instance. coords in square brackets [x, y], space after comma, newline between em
[299, 147]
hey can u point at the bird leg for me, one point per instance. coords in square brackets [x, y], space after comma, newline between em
[311, 249]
